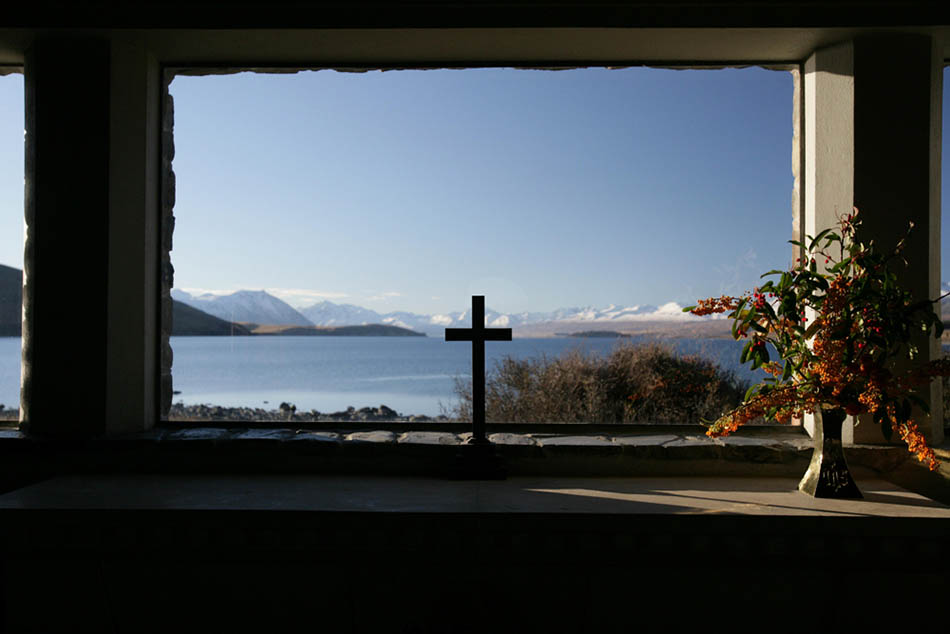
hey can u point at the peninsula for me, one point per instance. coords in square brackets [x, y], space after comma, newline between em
[595, 334]
[365, 330]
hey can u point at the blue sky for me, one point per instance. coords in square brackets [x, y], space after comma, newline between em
[412, 190]
[11, 170]
[415, 189]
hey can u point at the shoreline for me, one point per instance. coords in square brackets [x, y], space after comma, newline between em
[180, 412]
[287, 412]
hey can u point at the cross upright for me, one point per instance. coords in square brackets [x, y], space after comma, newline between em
[478, 335]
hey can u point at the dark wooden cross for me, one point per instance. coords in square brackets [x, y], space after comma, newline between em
[478, 335]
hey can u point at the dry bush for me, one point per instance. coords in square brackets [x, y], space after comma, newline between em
[635, 383]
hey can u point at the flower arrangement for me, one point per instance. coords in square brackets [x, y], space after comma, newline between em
[843, 332]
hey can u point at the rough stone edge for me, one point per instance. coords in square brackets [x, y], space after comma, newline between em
[436, 438]
[798, 171]
[29, 211]
[370, 438]
[167, 228]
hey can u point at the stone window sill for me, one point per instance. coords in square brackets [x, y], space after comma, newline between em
[540, 449]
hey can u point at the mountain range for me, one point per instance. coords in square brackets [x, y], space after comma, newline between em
[210, 314]
[263, 308]
[260, 307]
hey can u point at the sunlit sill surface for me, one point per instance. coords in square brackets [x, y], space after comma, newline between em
[554, 495]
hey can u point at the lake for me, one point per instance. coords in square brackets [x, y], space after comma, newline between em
[412, 375]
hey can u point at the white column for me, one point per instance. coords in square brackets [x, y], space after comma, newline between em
[828, 96]
[872, 139]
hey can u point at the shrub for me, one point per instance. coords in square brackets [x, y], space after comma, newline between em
[635, 383]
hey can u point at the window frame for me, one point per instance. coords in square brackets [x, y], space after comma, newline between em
[170, 71]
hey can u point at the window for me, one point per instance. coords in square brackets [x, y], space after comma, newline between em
[578, 201]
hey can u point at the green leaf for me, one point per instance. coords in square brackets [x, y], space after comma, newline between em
[817, 239]
[688, 308]
[831, 238]
[840, 265]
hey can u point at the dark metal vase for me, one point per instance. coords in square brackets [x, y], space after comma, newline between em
[828, 475]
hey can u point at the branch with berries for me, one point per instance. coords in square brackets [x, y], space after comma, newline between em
[829, 336]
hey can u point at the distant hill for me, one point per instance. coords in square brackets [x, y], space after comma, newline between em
[594, 334]
[11, 303]
[698, 329]
[257, 307]
[367, 330]
[329, 314]
[188, 321]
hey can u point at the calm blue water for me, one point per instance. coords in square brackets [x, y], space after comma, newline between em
[413, 375]
[10, 372]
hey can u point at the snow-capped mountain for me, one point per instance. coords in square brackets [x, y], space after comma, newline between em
[257, 307]
[329, 314]
[262, 308]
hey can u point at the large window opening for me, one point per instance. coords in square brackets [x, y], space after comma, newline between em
[587, 205]
[11, 239]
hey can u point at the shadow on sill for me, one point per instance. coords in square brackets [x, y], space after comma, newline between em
[432, 449]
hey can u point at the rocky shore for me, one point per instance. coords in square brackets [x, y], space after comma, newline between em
[289, 412]
[285, 412]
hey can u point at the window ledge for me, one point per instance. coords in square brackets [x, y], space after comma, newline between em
[561, 450]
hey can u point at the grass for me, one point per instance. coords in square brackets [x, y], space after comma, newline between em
[634, 384]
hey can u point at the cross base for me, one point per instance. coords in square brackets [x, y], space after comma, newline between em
[478, 460]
